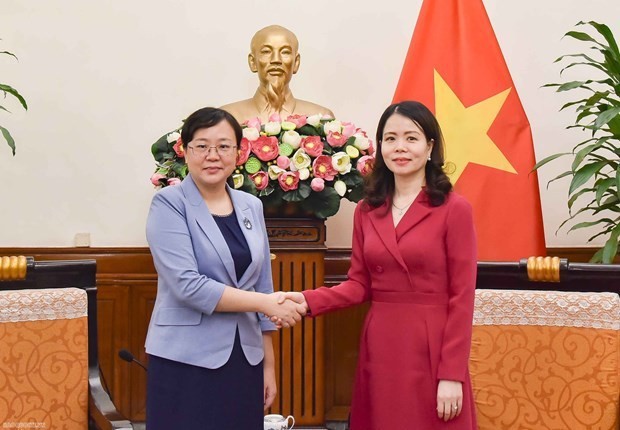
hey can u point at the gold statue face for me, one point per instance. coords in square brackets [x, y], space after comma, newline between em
[274, 56]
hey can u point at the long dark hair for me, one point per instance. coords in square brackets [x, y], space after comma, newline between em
[380, 183]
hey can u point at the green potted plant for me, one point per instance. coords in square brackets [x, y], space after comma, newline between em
[595, 169]
[7, 89]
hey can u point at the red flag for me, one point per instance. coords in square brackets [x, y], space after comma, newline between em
[456, 68]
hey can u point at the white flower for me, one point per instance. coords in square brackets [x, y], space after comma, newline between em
[251, 134]
[237, 181]
[292, 138]
[334, 126]
[314, 120]
[361, 142]
[273, 128]
[274, 171]
[341, 162]
[287, 125]
[304, 174]
[173, 137]
[301, 160]
[340, 187]
[352, 151]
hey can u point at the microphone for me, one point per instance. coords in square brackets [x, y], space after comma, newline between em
[128, 357]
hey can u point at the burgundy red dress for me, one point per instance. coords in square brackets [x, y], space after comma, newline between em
[420, 279]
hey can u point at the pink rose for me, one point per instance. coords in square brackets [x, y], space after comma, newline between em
[178, 148]
[174, 181]
[243, 153]
[298, 120]
[322, 168]
[253, 122]
[317, 184]
[155, 179]
[365, 164]
[260, 179]
[289, 181]
[275, 117]
[312, 145]
[283, 162]
[336, 140]
[348, 129]
[266, 148]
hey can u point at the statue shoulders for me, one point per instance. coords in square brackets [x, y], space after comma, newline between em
[308, 108]
[241, 109]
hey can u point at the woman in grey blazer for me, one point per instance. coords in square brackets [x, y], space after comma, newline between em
[211, 362]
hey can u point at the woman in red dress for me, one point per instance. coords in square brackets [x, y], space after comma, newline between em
[414, 259]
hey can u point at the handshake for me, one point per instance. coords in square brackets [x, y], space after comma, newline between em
[285, 309]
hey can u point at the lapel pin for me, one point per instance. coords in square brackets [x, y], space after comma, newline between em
[247, 223]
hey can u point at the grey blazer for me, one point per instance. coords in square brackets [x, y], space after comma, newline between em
[194, 265]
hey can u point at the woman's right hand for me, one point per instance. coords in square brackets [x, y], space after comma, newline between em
[286, 312]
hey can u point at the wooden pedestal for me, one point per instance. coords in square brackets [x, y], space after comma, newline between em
[299, 248]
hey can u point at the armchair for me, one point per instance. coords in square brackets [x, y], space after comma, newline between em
[48, 347]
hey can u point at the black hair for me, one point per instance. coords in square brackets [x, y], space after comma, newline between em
[380, 183]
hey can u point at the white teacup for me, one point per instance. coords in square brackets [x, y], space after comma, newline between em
[278, 422]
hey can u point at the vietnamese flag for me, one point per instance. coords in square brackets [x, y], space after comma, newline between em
[455, 67]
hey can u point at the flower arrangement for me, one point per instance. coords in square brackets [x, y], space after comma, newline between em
[310, 162]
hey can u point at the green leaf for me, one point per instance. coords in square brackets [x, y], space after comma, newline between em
[606, 116]
[5, 109]
[548, 159]
[581, 36]
[602, 187]
[9, 53]
[580, 55]
[597, 257]
[300, 194]
[583, 153]
[8, 138]
[575, 196]
[572, 85]
[611, 246]
[582, 175]
[323, 204]
[308, 130]
[588, 224]
[607, 34]
[560, 176]
[355, 183]
[618, 181]
[160, 148]
[12, 91]
[595, 65]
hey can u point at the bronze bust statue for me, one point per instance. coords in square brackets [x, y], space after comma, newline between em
[274, 56]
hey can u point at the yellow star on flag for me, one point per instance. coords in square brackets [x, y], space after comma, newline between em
[465, 130]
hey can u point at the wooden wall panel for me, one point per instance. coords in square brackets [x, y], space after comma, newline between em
[141, 304]
[113, 317]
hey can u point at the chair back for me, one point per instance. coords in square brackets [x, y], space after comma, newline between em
[44, 358]
[546, 359]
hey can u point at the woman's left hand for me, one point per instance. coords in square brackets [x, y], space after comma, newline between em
[270, 387]
[449, 399]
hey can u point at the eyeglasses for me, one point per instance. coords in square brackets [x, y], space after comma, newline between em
[223, 149]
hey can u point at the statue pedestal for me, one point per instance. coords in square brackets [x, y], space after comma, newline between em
[299, 248]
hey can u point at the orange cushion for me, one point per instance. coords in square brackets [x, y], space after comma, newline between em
[44, 359]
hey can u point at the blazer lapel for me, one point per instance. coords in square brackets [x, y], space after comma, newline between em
[251, 230]
[208, 226]
[381, 219]
[419, 210]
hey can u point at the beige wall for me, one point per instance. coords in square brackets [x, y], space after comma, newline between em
[105, 79]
